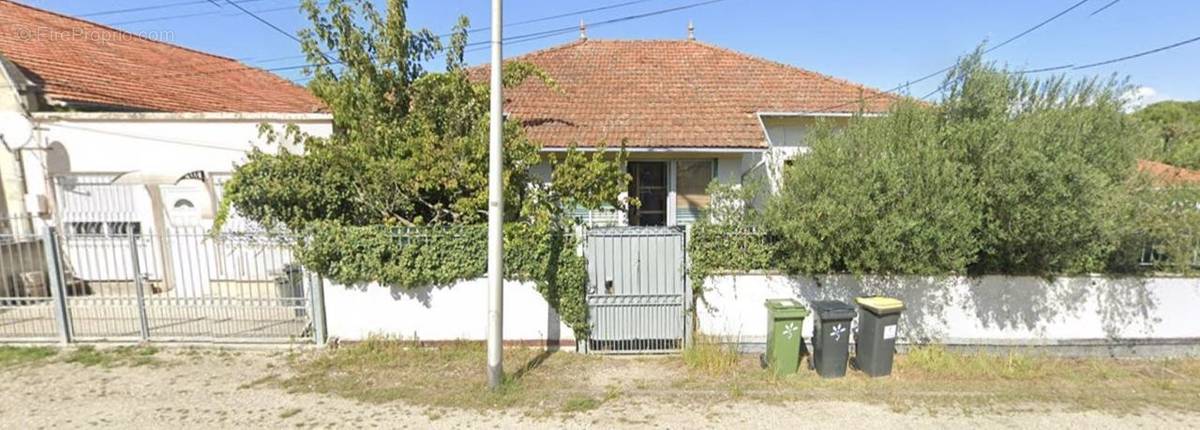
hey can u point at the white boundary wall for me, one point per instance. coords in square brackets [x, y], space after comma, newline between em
[455, 312]
[990, 310]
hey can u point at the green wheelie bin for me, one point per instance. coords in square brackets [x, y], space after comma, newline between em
[875, 343]
[784, 339]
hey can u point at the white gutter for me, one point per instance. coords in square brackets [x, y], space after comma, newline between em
[663, 150]
[183, 116]
[819, 114]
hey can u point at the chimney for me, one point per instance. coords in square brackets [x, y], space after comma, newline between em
[582, 30]
[691, 30]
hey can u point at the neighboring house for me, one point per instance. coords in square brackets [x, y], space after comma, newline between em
[1166, 174]
[689, 113]
[108, 132]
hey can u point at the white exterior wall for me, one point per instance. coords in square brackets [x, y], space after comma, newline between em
[991, 310]
[456, 312]
[17, 131]
[162, 144]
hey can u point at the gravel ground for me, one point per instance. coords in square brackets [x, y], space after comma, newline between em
[206, 390]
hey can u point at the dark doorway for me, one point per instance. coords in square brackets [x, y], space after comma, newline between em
[649, 186]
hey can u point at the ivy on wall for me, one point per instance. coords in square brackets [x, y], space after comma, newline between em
[440, 256]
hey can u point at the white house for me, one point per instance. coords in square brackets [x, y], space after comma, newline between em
[689, 113]
[107, 131]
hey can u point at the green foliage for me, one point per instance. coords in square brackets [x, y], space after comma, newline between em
[729, 235]
[1177, 128]
[1006, 175]
[1050, 159]
[409, 150]
[882, 196]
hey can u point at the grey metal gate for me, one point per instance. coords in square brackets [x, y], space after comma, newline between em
[637, 292]
[27, 305]
[184, 284]
[106, 285]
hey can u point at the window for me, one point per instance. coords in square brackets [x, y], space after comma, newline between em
[691, 188]
[105, 229]
[125, 228]
[649, 186]
[86, 228]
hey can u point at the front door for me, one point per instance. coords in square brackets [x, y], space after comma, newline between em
[649, 186]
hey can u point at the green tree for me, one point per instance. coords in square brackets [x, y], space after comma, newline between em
[398, 192]
[1008, 174]
[1177, 128]
[409, 146]
[883, 195]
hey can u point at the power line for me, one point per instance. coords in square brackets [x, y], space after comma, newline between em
[515, 24]
[265, 22]
[152, 7]
[1102, 8]
[515, 39]
[564, 30]
[196, 14]
[273, 26]
[947, 68]
[552, 17]
[1140, 54]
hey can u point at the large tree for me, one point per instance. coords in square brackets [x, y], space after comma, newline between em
[1007, 174]
[1176, 125]
[409, 146]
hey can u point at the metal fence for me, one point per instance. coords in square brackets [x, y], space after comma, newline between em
[1150, 257]
[184, 284]
[27, 310]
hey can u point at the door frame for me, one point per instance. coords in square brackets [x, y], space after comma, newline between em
[669, 206]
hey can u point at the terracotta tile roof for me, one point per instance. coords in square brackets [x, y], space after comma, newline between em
[1168, 174]
[661, 93]
[88, 64]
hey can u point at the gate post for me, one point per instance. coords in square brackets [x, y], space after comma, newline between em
[143, 321]
[316, 300]
[58, 293]
[689, 314]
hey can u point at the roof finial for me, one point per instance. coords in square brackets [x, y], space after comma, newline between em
[691, 30]
[582, 30]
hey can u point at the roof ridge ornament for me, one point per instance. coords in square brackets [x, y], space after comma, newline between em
[691, 30]
[582, 30]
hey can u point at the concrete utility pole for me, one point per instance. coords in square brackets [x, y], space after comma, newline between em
[495, 333]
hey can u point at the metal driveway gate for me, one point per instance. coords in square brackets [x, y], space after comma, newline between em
[637, 291]
[184, 284]
[27, 305]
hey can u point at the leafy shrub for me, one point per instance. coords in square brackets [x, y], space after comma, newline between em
[1006, 175]
[882, 196]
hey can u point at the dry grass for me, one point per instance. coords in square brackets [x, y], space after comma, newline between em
[710, 357]
[11, 356]
[131, 356]
[932, 378]
[451, 375]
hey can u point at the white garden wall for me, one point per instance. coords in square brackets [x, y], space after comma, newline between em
[991, 310]
[455, 312]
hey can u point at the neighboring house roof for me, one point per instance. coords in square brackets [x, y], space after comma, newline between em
[669, 94]
[88, 66]
[1168, 174]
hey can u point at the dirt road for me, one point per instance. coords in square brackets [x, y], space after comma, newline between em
[206, 390]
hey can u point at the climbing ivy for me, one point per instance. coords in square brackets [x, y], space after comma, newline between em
[440, 256]
[730, 235]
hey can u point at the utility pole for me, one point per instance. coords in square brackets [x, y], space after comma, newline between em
[495, 333]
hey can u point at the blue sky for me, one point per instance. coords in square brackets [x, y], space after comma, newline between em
[882, 43]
